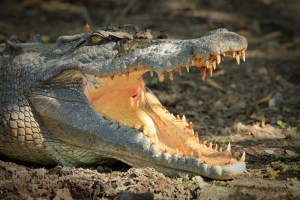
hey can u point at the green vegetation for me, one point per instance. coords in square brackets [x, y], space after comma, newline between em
[280, 166]
[293, 181]
[285, 143]
[154, 81]
[225, 140]
[281, 124]
[272, 173]
[178, 179]
[253, 139]
[286, 109]
[298, 127]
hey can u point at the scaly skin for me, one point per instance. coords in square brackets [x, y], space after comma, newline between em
[82, 100]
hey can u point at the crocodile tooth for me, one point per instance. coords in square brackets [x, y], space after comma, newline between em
[210, 70]
[223, 54]
[176, 151]
[156, 140]
[207, 62]
[112, 77]
[193, 62]
[228, 147]
[218, 59]
[237, 58]
[190, 125]
[161, 77]
[177, 117]
[198, 153]
[232, 160]
[233, 54]
[171, 75]
[221, 149]
[214, 64]
[127, 74]
[184, 119]
[210, 145]
[196, 134]
[151, 73]
[203, 73]
[187, 68]
[216, 147]
[244, 55]
[242, 159]
[192, 154]
[166, 156]
[180, 71]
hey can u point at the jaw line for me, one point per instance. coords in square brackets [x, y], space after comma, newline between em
[151, 152]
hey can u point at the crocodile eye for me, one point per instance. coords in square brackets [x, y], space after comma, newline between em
[95, 39]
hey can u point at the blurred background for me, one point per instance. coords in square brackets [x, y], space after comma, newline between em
[181, 18]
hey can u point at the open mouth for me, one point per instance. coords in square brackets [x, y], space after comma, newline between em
[125, 100]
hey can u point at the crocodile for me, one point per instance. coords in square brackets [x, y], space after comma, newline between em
[82, 100]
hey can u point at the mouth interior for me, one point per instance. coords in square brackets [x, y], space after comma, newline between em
[125, 100]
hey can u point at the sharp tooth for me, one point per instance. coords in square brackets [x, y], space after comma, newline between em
[207, 62]
[221, 149]
[180, 71]
[203, 72]
[216, 147]
[177, 117]
[233, 54]
[232, 160]
[242, 159]
[237, 58]
[112, 77]
[198, 153]
[218, 59]
[193, 62]
[210, 145]
[171, 75]
[187, 68]
[184, 119]
[190, 125]
[223, 54]
[192, 154]
[151, 73]
[244, 55]
[210, 70]
[228, 147]
[196, 134]
[176, 150]
[127, 74]
[214, 64]
[161, 77]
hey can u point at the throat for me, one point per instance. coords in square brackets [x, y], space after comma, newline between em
[124, 100]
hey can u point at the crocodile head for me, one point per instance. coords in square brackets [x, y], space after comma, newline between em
[90, 94]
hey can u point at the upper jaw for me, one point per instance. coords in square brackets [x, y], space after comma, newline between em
[161, 55]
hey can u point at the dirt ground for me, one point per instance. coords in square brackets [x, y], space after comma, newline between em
[255, 106]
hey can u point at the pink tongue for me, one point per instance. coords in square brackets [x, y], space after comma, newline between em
[134, 92]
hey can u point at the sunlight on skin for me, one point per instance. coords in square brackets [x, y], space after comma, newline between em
[124, 99]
